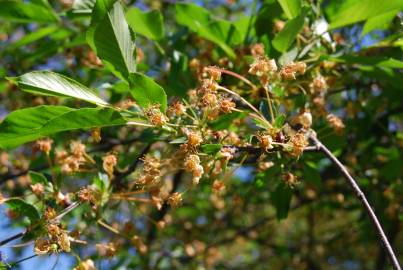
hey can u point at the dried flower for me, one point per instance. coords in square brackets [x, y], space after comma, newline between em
[42, 246]
[60, 156]
[139, 244]
[262, 66]
[50, 213]
[288, 71]
[63, 241]
[209, 99]
[88, 264]
[213, 72]
[257, 49]
[336, 123]
[71, 164]
[227, 153]
[155, 116]
[227, 105]
[151, 171]
[194, 139]
[298, 143]
[318, 84]
[218, 187]
[37, 189]
[208, 86]
[106, 250]
[2, 199]
[290, 179]
[192, 164]
[109, 162]
[44, 145]
[96, 134]
[161, 224]
[87, 194]
[265, 140]
[175, 199]
[177, 108]
[77, 149]
[304, 118]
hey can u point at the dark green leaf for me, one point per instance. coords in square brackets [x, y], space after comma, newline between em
[37, 178]
[34, 36]
[283, 40]
[198, 20]
[281, 199]
[53, 84]
[30, 124]
[111, 38]
[279, 121]
[19, 11]
[211, 148]
[149, 24]
[23, 209]
[146, 91]
[311, 174]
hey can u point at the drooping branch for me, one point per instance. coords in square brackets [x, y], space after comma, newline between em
[360, 195]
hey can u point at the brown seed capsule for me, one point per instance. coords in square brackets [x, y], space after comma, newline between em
[42, 246]
[290, 179]
[336, 123]
[44, 145]
[175, 199]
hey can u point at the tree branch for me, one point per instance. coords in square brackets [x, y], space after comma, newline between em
[360, 195]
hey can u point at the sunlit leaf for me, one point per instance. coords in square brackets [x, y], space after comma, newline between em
[146, 91]
[111, 38]
[284, 39]
[149, 24]
[53, 84]
[19, 11]
[291, 8]
[353, 11]
[30, 124]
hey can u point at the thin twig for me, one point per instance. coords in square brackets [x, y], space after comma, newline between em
[54, 220]
[360, 195]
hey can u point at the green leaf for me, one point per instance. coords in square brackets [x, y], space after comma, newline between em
[34, 36]
[111, 38]
[379, 22]
[17, 11]
[291, 8]
[211, 148]
[82, 7]
[353, 11]
[37, 178]
[149, 24]
[311, 174]
[279, 121]
[30, 124]
[192, 16]
[283, 40]
[198, 20]
[23, 209]
[52, 84]
[146, 91]
[383, 62]
[281, 198]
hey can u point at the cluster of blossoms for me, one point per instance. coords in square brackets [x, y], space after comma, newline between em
[57, 238]
[193, 122]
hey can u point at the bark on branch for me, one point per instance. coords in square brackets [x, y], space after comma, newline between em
[360, 195]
